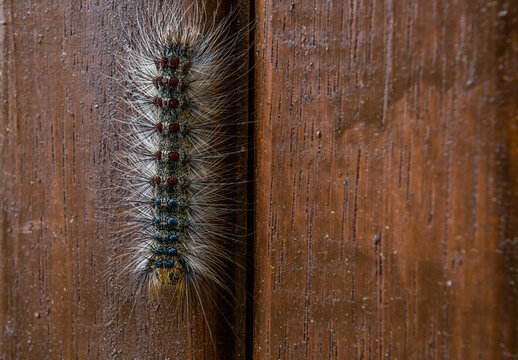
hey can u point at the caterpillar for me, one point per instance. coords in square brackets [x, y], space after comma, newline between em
[179, 169]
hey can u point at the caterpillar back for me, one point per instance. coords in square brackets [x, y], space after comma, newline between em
[179, 168]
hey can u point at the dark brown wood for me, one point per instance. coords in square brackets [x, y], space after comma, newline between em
[58, 295]
[386, 215]
[386, 195]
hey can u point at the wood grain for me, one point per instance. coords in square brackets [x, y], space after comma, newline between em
[58, 296]
[386, 194]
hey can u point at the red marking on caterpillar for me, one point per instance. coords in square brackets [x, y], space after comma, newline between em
[173, 156]
[172, 181]
[174, 128]
[164, 62]
[173, 81]
[174, 62]
[173, 103]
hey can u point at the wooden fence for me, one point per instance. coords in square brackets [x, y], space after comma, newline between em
[386, 185]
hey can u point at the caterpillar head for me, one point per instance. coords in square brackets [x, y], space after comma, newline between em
[168, 271]
[169, 276]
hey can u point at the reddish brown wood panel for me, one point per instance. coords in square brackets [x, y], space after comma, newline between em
[58, 294]
[386, 180]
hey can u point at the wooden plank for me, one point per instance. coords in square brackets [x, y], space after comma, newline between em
[386, 189]
[58, 297]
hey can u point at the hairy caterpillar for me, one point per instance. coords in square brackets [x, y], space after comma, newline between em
[179, 169]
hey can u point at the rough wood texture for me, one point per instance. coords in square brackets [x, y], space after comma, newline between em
[386, 196]
[58, 298]
[387, 171]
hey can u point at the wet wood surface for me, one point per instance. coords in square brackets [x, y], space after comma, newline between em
[386, 180]
[386, 194]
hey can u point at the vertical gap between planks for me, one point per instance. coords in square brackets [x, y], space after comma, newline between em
[249, 321]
